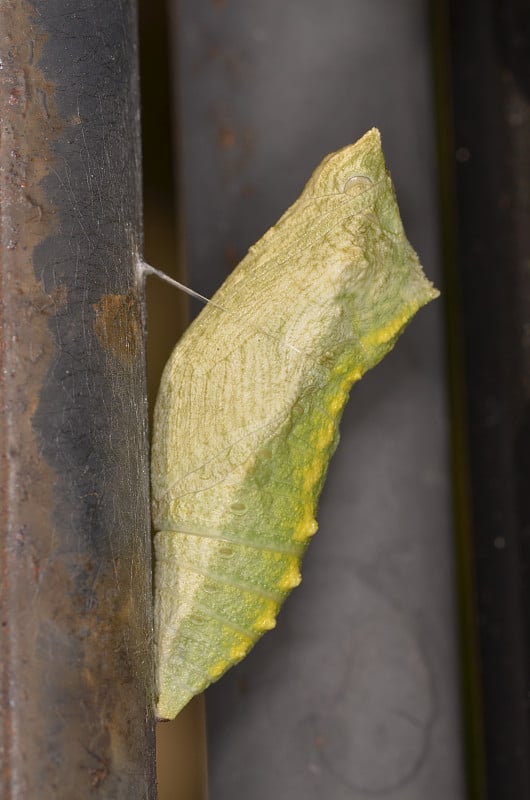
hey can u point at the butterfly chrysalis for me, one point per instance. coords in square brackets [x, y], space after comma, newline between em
[248, 409]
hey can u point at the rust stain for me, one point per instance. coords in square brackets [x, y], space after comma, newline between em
[226, 138]
[231, 257]
[27, 482]
[237, 142]
[118, 326]
[100, 774]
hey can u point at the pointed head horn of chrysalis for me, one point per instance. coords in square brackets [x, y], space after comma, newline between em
[350, 169]
[387, 284]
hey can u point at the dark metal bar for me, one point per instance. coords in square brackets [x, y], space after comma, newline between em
[488, 63]
[75, 554]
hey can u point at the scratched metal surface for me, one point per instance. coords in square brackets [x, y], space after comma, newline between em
[75, 586]
[356, 693]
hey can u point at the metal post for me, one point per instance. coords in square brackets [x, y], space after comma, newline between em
[75, 594]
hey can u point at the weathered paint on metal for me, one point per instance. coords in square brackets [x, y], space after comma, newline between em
[75, 593]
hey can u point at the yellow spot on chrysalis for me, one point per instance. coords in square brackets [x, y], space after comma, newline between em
[267, 620]
[336, 404]
[312, 474]
[291, 578]
[325, 435]
[383, 335]
[240, 650]
[307, 526]
[218, 668]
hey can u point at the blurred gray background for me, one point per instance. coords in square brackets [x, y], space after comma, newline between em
[356, 693]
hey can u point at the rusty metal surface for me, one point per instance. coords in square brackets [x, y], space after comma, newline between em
[75, 593]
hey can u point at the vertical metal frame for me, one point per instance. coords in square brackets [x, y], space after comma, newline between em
[75, 592]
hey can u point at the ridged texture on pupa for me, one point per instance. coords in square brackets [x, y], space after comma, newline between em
[248, 410]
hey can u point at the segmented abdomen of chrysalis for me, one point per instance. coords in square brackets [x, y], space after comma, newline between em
[248, 411]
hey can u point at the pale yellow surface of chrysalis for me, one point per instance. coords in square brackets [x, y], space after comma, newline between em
[247, 414]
